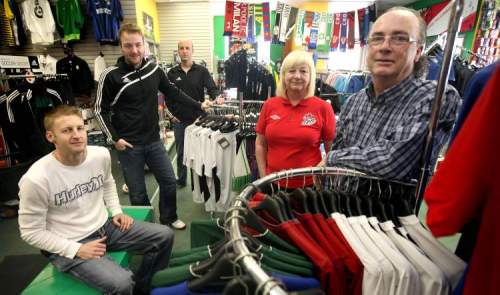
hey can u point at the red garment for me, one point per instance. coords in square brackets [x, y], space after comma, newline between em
[352, 262]
[467, 186]
[294, 134]
[309, 226]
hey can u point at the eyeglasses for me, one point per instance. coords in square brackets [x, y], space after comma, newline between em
[397, 40]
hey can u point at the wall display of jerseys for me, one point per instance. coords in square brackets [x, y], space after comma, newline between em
[250, 77]
[319, 31]
[487, 43]
[106, 18]
[36, 18]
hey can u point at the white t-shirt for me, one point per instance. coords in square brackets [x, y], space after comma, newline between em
[407, 279]
[372, 272]
[39, 21]
[225, 156]
[452, 266]
[432, 278]
[99, 67]
[60, 205]
[388, 273]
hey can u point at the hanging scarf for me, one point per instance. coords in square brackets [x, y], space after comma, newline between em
[276, 28]
[336, 33]
[350, 35]
[343, 32]
[228, 18]
[363, 35]
[314, 31]
[236, 19]
[251, 24]
[267, 21]
[243, 20]
[299, 27]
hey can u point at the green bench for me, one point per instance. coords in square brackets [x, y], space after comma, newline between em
[51, 281]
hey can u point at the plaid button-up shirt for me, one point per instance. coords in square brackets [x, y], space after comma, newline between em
[384, 136]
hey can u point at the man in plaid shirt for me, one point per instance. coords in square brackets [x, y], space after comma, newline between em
[381, 130]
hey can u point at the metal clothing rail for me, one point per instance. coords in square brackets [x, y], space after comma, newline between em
[7, 77]
[453, 25]
[235, 214]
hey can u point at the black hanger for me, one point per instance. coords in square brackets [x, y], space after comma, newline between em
[322, 204]
[281, 205]
[101, 54]
[299, 201]
[312, 200]
[224, 267]
[240, 285]
[288, 206]
[330, 200]
[272, 207]
[252, 220]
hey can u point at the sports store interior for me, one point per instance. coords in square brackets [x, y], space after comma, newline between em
[53, 52]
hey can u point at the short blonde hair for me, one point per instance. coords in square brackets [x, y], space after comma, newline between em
[129, 29]
[60, 111]
[293, 59]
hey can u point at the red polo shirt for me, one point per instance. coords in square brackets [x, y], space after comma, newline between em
[294, 134]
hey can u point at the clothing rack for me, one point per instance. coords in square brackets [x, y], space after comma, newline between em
[453, 25]
[235, 214]
[7, 77]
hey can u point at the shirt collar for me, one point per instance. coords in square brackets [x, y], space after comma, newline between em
[303, 102]
[390, 93]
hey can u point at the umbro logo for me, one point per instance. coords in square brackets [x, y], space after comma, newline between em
[178, 79]
[275, 117]
[126, 80]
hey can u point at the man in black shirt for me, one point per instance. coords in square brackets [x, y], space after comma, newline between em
[192, 79]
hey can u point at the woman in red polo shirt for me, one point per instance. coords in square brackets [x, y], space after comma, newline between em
[293, 124]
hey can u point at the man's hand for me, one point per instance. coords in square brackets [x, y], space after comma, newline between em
[122, 144]
[174, 119]
[124, 222]
[93, 249]
[206, 104]
[219, 100]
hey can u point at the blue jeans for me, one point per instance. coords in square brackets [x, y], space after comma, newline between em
[179, 129]
[153, 241]
[155, 156]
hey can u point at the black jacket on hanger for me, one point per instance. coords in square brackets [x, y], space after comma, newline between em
[79, 74]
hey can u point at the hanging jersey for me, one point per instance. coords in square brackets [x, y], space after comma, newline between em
[39, 21]
[106, 17]
[432, 279]
[6, 25]
[452, 266]
[70, 18]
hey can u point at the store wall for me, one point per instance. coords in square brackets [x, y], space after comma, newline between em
[149, 7]
[186, 20]
[88, 48]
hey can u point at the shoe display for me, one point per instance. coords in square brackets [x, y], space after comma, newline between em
[178, 224]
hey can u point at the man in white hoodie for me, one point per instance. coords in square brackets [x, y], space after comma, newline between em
[62, 211]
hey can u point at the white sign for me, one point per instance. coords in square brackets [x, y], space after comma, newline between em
[14, 62]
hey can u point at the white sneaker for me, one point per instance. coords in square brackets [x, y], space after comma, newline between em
[125, 188]
[178, 224]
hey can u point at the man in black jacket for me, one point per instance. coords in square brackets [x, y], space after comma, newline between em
[192, 79]
[126, 108]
